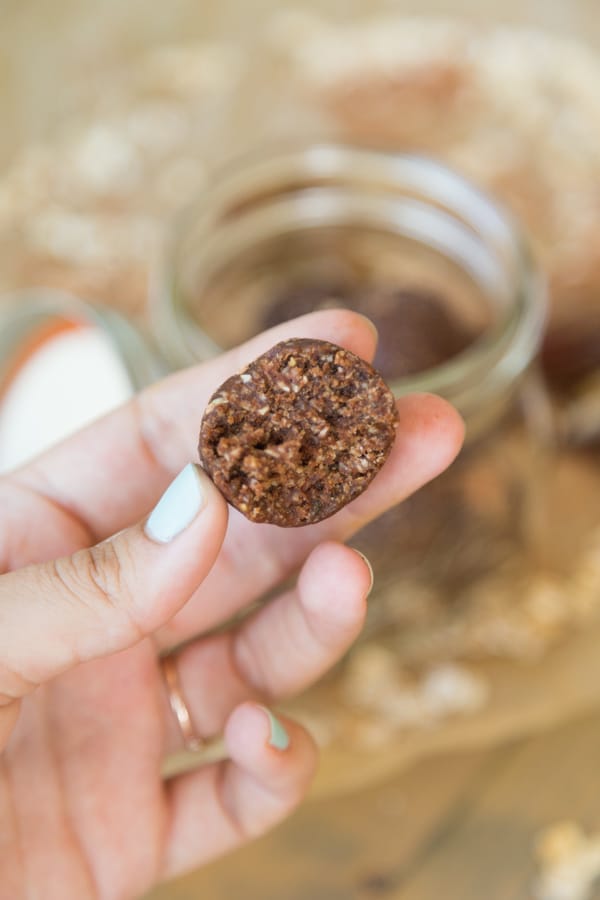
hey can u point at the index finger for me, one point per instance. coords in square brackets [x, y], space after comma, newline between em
[111, 473]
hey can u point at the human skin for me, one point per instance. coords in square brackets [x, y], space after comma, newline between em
[89, 599]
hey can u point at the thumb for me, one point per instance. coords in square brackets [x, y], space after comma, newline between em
[108, 597]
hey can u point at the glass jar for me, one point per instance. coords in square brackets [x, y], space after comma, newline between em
[63, 363]
[323, 224]
[328, 213]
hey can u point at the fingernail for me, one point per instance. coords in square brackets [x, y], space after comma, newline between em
[371, 325]
[278, 736]
[370, 568]
[178, 506]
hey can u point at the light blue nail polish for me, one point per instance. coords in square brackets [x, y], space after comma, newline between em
[177, 508]
[278, 736]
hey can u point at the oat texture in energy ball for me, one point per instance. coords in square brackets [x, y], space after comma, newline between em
[299, 433]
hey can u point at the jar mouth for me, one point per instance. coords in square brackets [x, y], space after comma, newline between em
[318, 185]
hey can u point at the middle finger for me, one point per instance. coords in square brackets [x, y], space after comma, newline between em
[279, 650]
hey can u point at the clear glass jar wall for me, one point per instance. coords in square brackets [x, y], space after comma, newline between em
[448, 278]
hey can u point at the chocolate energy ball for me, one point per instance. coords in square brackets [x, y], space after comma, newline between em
[299, 433]
[417, 330]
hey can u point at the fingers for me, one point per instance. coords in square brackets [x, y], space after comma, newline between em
[106, 598]
[279, 650]
[272, 762]
[288, 644]
[143, 444]
[429, 435]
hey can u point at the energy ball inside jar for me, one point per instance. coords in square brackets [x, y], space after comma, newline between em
[297, 435]
[418, 330]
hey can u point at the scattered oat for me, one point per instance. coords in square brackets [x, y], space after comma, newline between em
[191, 70]
[104, 160]
[451, 689]
[370, 670]
[568, 862]
[376, 683]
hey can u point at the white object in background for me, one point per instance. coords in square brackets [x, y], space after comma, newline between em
[70, 378]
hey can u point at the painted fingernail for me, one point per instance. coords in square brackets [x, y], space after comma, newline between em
[371, 325]
[178, 506]
[370, 568]
[278, 736]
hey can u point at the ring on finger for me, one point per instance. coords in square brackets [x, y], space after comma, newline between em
[168, 666]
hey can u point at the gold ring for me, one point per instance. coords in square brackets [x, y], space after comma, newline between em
[177, 702]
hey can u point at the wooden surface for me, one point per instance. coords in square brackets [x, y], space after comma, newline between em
[460, 827]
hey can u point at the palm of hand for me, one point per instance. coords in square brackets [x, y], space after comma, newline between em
[84, 810]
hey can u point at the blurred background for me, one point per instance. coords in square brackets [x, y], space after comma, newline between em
[461, 737]
[76, 42]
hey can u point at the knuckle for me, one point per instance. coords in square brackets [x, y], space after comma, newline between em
[106, 571]
[100, 578]
[97, 576]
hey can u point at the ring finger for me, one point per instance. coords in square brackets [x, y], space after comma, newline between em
[254, 559]
[280, 649]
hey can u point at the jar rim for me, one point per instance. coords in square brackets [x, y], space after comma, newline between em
[31, 306]
[501, 353]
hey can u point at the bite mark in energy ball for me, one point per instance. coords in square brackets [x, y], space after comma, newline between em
[297, 435]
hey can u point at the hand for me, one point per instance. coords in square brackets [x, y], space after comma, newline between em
[85, 722]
